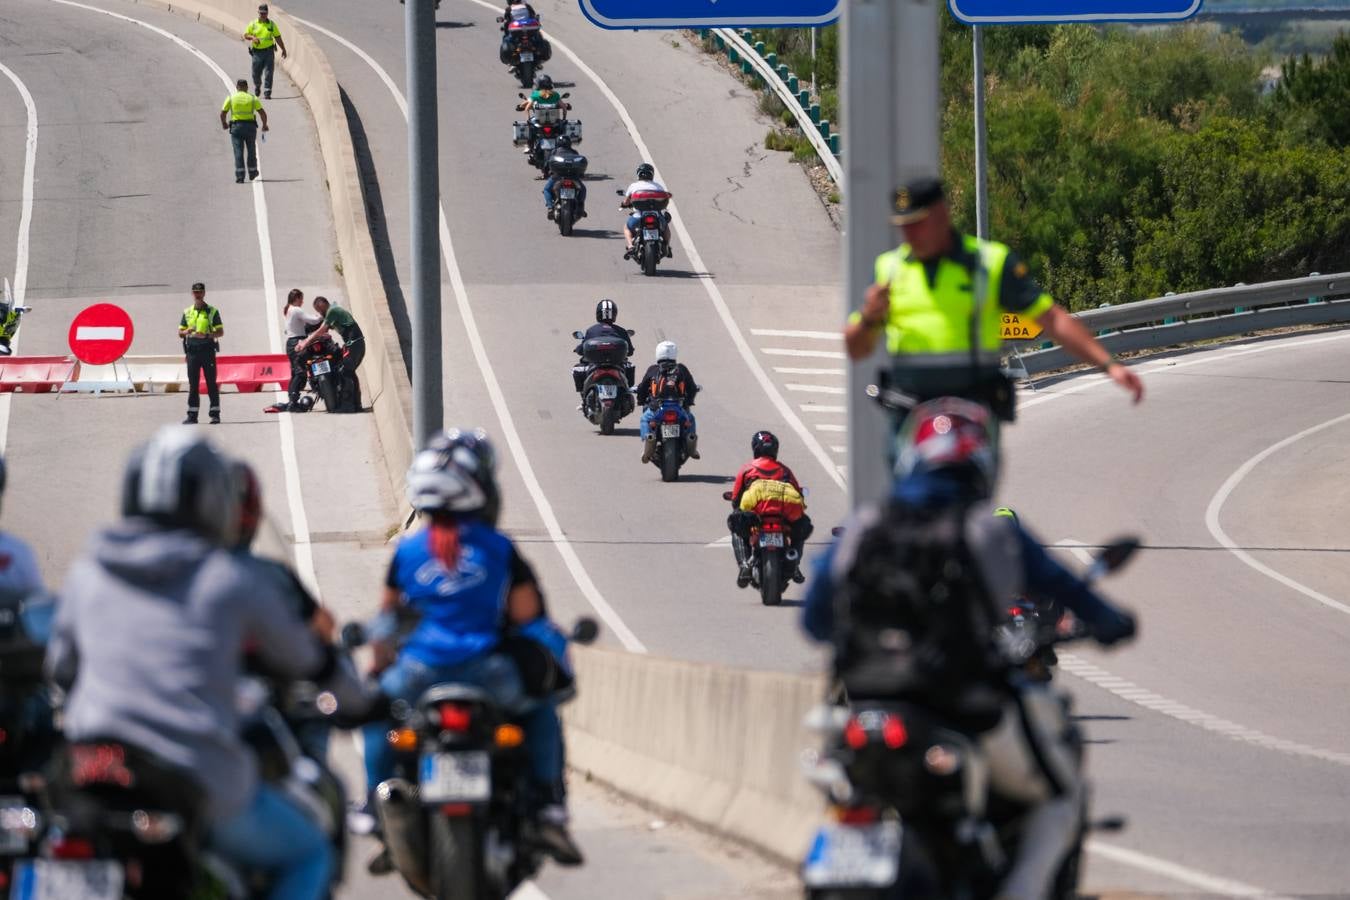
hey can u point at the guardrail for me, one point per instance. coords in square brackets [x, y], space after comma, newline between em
[1205, 315]
[777, 78]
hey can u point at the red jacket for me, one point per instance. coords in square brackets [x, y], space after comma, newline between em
[762, 467]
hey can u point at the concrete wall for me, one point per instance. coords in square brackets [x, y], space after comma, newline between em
[384, 378]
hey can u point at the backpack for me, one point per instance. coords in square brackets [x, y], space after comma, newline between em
[913, 615]
[667, 385]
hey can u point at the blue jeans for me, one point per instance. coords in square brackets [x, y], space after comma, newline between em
[635, 224]
[275, 836]
[408, 678]
[649, 416]
[553, 182]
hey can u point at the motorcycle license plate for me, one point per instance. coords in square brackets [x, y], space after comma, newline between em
[607, 391]
[568, 193]
[322, 367]
[60, 879]
[455, 777]
[670, 431]
[854, 855]
[651, 234]
[526, 56]
[547, 144]
[771, 539]
[13, 812]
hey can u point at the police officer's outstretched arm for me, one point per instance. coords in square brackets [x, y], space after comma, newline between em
[1073, 336]
[1047, 578]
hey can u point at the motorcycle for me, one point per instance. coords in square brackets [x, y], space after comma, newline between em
[455, 816]
[568, 169]
[649, 243]
[670, 430]
[772, 561]
[330, 378]
[911, 816]
[9, 330]
[604, 379]
[541, 133]
[524, 50]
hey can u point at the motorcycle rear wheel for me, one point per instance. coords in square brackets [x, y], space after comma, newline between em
[670, 462]
[455, 860]
[327, 392]
[607, 416]
[771, 579]
[564, 217]
[525, 72]
[649, 251]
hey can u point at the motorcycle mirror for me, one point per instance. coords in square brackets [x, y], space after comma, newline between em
[585, 631]
[620, 193]
[566, 94]
[726, 495]
[631, 332]
[1117, 553]
[520, 95]
[353, 635]
[836, 531]
[578, 334]
[501, 19]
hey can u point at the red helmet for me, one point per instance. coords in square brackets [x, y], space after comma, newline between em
[250, 502]
[949, 433]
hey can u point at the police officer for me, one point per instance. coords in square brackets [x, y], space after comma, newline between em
[264, 38]
[201, 329]
[939, 299]
[236, 117]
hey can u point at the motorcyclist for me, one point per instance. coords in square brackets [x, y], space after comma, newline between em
[646, 175]
[765, 467]
[606, 325]
[465, 579]
[948, 658]
[148, 636]
[542, 97]
[507, 14]
[666, 377]
[569, 160]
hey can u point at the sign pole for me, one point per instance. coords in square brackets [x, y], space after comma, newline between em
[424, 185]
[981, 148]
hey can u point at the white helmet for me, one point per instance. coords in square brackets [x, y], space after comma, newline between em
[455, 475]
[179, 480]
[666, 351]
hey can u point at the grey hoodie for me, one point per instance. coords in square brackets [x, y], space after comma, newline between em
[150, 626]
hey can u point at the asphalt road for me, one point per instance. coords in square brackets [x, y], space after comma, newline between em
[1221, 733]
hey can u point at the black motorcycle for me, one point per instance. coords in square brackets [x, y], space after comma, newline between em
[456, 815]
[567, 168]
[330, 378]
[649, 242]
[893, 762]
[524, 50]
[540, 135]
[604, 379]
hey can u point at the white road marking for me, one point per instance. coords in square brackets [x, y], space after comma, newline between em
[1210, 884]
[814, 388]
[304, 551]
[809, 354]
[822, 408]
[1220, 498]
[709, 284]
[20, 287]
[788, 370]
[1128, 690]
[809, 335]
[837, 449]
[92, 333]
[558, 538]
[720, 542]
[831, 428]
[528, 891]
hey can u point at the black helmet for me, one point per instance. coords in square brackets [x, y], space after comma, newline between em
[646, 172]
[564, 142]
[764, 443]
[456, 475]
[544, 83]
[181, 481]
[605, 311]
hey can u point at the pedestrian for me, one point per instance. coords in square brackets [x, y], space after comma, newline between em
[335, 318]
[237, 117]
[264, 37]
[299, 323]
[201, 330]
[939, 299]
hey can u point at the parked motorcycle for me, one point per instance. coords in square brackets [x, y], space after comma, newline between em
[524, 49]
[604, 379]
[772, 561]
[456, 816]
[893, 762]
[541, 133]
[649, 244]
[330, 378]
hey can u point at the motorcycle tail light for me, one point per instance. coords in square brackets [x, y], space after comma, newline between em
[402, 739]
[856, 815]
[456, 810]
[454, 717]
[569, 184]
[893, 733]
[855, 735]
[670, 416]
[72, 848]
[1016, 612]
[509, 736]
[548, 129]
[650, 220]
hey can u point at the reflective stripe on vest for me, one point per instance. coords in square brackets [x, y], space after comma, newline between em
[242, 106]
[939, 320]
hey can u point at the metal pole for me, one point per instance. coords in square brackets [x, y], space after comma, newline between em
[981, 151]
[889, 50]
[813, 63]
[424, 189]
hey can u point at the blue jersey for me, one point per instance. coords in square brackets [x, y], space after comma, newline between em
[462, 610]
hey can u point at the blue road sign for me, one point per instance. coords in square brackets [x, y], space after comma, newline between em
[710, 13]
[1023, 12]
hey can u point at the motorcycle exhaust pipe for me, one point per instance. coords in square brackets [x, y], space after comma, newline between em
[400, 813]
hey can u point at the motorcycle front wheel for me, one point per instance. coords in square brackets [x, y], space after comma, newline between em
[455, 859]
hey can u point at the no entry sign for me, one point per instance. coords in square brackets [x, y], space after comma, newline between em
[101, 334]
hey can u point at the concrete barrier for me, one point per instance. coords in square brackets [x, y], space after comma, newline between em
[384, 377]
[716, 745]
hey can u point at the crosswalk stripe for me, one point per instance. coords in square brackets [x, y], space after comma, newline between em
[813, 354]
[814, 388]
[809, 335]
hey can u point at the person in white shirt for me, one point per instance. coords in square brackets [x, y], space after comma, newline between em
[299, 323]
[646, 183]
